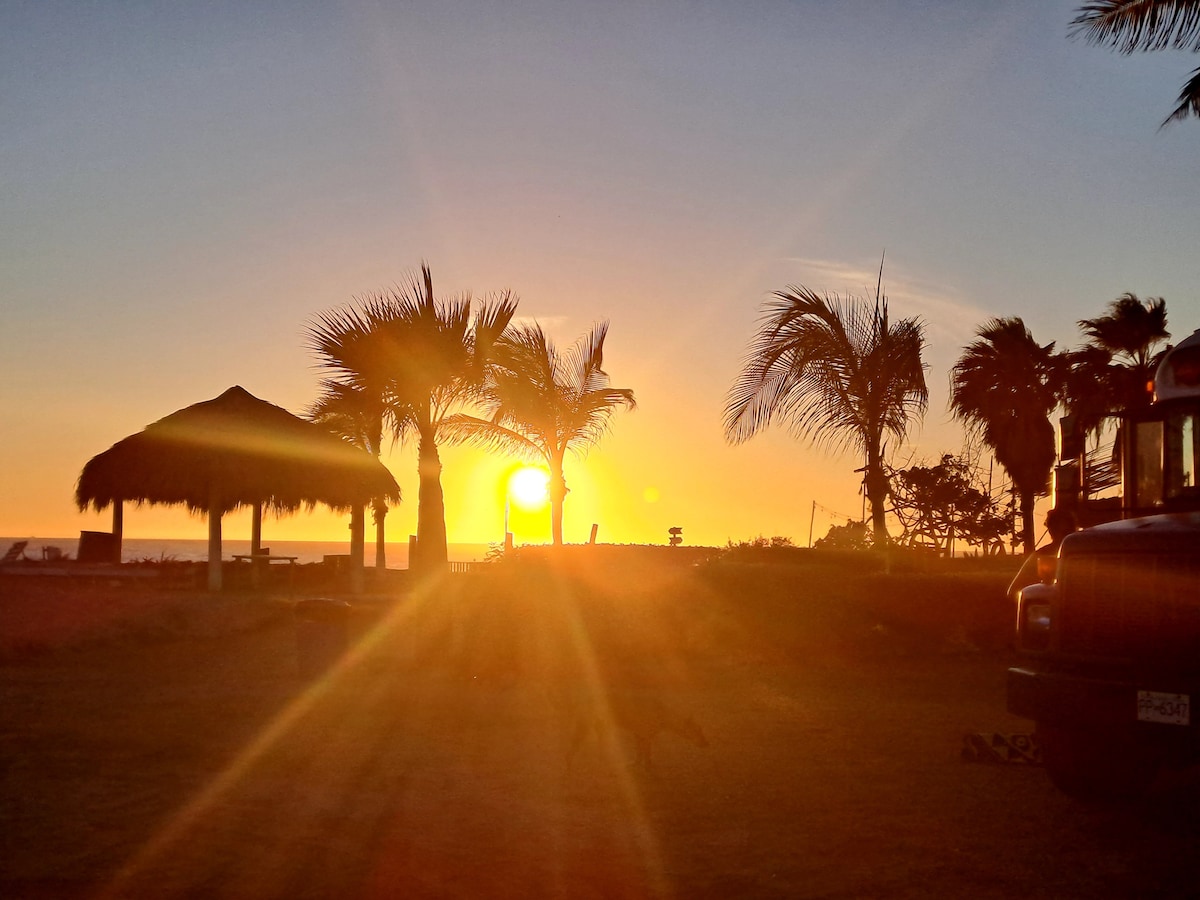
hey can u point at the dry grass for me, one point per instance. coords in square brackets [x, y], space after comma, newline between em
[164, 745]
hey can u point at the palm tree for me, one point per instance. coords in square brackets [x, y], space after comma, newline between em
[415, 359]
[1128, 335]
[356, 414]
[1087, 392]
[1005, 386]
[354, 402]
[541, 404]
[833, 371]
[1135, 25]
[1110, 373]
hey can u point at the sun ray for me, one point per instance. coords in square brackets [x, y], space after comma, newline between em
[596, 696]
[207, 799]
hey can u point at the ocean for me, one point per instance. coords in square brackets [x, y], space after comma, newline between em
[192, 550]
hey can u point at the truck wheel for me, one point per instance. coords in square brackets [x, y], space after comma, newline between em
[1097, 764]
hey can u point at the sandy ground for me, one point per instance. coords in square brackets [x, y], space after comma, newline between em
[159, 745]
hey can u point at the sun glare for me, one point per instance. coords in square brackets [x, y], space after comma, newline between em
[529, 487]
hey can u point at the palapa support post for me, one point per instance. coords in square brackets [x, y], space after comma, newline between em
[118, 528]
[214, 546]
[256, 530]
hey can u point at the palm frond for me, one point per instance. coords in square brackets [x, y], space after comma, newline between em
[350, 412]
[560, 401]
[461, 428]
[492, 319]
[1131, 25]
[834, 371]
[583, 362]
[1130, 325]
[1189, 100]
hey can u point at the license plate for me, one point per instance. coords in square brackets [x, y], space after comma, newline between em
[1167, 709]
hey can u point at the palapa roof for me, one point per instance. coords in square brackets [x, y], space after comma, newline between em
[234, 450]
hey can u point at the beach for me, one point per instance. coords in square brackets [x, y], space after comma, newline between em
[170, 744]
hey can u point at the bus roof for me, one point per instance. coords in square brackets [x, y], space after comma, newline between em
[1178, 374]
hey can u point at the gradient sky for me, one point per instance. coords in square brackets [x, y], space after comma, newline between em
[185, 185]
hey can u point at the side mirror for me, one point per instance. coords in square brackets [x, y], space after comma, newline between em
[1047, 568]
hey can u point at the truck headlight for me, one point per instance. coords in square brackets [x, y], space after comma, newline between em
[1035, 608]
[1037, 618]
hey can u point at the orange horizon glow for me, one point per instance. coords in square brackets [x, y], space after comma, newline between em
[631, 503]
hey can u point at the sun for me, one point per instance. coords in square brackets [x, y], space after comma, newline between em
[529, 487]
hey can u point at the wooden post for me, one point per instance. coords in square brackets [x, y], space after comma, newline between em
[214, 546]
[118, 528]
[256, 530]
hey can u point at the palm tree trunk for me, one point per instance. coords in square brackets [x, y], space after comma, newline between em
[877, 490]
[1028, 525]
[558, 495]
[380, 511]
[431, 508]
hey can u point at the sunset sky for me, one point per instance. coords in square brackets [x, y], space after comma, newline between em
[185, 185]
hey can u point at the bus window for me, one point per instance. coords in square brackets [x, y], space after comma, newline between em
[1181, 455]
[1149, 450]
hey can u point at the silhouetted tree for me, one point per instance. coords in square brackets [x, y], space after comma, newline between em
[1005, 387]
[422, 358]
[541, 404]
[835, 372]
[1137, 25]
[851, 536]
[939, 504]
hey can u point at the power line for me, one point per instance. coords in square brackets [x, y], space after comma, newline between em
[833, 512]
[813, 518]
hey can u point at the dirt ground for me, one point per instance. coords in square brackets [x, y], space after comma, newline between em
[168, 746]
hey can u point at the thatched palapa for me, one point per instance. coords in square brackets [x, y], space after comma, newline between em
[235, 450]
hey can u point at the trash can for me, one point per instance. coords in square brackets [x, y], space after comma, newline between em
[322, 634]
[97, 547]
